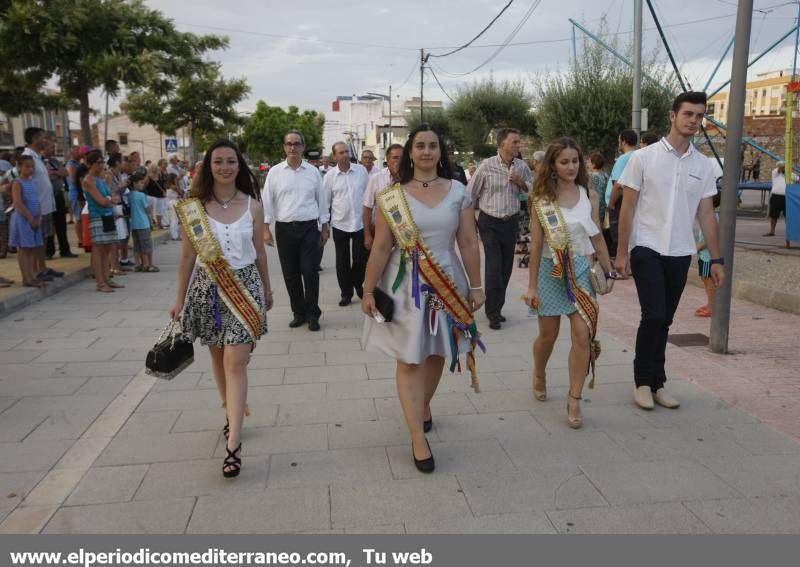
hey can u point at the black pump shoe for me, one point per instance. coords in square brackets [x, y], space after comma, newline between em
[424, 465]
[427, 425]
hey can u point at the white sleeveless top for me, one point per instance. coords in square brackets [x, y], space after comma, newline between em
[236, 239]
[581, 226]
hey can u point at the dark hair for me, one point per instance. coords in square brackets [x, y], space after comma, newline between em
[22, 159]
[393, 147]
[32, 133]
[171, 179]
[692, 97]
[298, 132]
[333, 147]
[629, 137]
[114, 159]
[89, 159]
[650, 138]
[503, 133]
[203, 184]
[109, 143]
[547, 179]
[597, 159]
[406, 172]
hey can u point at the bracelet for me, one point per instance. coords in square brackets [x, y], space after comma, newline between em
[475, 288]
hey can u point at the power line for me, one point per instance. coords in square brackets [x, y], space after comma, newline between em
[470, 42]
[440, 85]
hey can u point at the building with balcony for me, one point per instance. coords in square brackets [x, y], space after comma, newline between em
[766, 96]
[54, 121]
[146, 140]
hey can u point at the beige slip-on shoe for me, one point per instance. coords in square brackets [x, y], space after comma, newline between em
[663, 398]
[643, 397]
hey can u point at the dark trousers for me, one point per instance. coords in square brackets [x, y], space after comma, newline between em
[612, 237]
[298, 251]
[499, 237]
[59, 228]
[350, 267]
[659, 284]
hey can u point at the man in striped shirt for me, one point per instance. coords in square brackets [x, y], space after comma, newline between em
[495, 189]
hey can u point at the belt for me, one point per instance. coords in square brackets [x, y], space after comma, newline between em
[299, 222]
[503, 218]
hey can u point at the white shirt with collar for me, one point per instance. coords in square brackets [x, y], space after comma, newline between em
[345, 192]
[670, 188]
[292, 195]
[44, 188]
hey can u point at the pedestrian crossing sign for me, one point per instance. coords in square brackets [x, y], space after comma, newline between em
[171, 145]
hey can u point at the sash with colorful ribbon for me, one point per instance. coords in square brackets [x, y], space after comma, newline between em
[442, 294]
[226, 284]
[556, 233]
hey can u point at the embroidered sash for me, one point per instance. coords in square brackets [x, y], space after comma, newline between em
[443, 295]
[556, 233]
[227, 284]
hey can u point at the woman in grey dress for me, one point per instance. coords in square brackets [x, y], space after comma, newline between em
[442, 211]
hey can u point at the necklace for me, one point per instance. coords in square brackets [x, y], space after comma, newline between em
[425, 183]
[227, 203]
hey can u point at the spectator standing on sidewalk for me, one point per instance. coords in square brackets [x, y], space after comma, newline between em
[74, 195]
[666, 185]
[777, 196]
[626, 144]
[495, 190]
[26, 231]
[58, 174]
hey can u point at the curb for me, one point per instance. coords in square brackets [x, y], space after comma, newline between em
[760, 295]
[31, 296]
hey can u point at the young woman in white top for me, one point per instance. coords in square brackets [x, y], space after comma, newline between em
[228, 190]
[563, 178]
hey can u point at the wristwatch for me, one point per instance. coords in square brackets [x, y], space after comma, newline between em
[612, 275]
[720, 261]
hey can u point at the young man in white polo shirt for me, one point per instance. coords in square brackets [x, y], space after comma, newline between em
[666, 185]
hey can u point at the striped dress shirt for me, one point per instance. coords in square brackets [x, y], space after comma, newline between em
[491, 189]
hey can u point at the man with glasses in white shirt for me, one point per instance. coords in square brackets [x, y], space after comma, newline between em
[666, 185]
[295, 202]
[344, 188]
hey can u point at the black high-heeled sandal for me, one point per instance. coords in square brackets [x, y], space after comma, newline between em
[232, 465]
[424, 465]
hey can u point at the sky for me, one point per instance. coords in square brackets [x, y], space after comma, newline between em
[306, 53]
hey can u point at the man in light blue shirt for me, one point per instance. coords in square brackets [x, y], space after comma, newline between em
[627, 144]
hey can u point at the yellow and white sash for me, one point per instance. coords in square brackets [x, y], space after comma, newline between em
[236, 296]
[556, 233]
[443, 293]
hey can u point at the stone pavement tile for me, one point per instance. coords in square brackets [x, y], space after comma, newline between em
[678, 442]
[309, 374]
[285, 394]
[479, 457]
[149, 517]
[286, 361]
[119, 333]
[20, 323]
[614, 394]
[279, 335]
[502, 401]
[127, 368]
[769, 475]
[275, 510]
[201, 478]
[180, 400]
[8, 344]
[75, 342]
[354, 357]
[327, 411]
[18, 386]
[132, 354]
[7, 401]
[31, 455]
[92, 324]
[523, 379]
[16, 427]
[27, 520]
[380, 433]
[456, 382]
[778, 515]
[65, 417]
[159, 448]
[271, 347]
[149, 423]
[83, 453]
[666, 518]
[335, 334]
[20, 356]
[102, 485]
[521, 523]
[103, 385]
[285, 439]
[504, 363]
[54, 487]
[16, 486]
[126, 343]
[363, 504]
[510, 347]
[760, 439]
[541, 450]
[90, 354]
[388, 529]
[444, 404]
[700, 415]
[552, 415]
[353, 390]
[214, 420]
[255, 378]
[381, 370]
[485, 426]
[656, 481]
[529, 491]
[183, 381]
[340, 345]
[361, 464]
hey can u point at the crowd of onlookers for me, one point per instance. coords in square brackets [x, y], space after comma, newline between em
[112, 200]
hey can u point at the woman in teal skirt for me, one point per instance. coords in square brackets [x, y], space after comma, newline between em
[563, 180]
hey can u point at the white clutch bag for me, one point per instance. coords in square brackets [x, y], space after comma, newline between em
[598, 278]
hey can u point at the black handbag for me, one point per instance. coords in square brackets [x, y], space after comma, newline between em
[108, 224]
[384, 304]
[172, 353]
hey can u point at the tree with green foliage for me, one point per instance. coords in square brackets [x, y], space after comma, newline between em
[485, 106]
[263, 133]
[88, 44]
[592, 101]
[438, 118]
[204, 103]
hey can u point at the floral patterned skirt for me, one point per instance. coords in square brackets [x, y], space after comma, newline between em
[199, 321]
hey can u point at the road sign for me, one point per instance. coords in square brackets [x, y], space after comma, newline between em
[171, 145]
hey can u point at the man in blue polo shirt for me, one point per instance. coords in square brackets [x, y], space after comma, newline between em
[627, 144]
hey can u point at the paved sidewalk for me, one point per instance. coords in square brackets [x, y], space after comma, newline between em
[92, 445]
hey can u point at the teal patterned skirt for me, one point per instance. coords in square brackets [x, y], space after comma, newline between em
[553, 293]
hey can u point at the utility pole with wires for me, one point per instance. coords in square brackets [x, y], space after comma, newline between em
[636, 119]
[422, 60]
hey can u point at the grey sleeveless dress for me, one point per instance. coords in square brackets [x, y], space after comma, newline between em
[407, 338]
